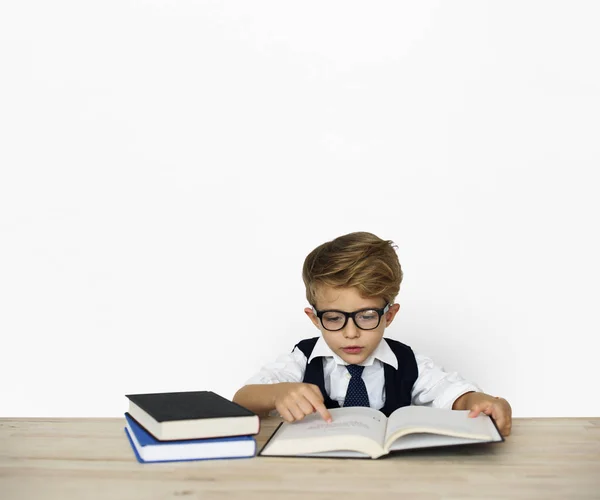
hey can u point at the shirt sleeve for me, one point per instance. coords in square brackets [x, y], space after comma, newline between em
[289, 367]
[436, 388]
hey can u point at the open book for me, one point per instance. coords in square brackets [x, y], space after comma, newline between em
[365, 432]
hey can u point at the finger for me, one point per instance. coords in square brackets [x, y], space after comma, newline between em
[475, 410]
[501, 424]
[305, 405]
[319, 406]
[478, 408]
[498, 412]
[507, 406]
[285, 413]
[296, 411]
[501, 416]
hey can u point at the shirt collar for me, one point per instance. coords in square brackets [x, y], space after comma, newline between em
[382, 352]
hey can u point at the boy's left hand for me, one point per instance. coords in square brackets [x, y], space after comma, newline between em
[497, 408]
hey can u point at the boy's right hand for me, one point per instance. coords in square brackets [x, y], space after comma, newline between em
[294, 401]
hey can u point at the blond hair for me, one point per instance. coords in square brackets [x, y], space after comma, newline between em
[360, 260]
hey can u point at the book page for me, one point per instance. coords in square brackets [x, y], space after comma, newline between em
[427, 440]
[356, 420]
[350, 429]
[440, 421]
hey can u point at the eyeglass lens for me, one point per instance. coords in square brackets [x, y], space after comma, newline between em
[365, 320]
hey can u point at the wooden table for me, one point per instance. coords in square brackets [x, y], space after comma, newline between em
[66, 459]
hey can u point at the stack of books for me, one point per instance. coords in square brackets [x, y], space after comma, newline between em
[199, 425]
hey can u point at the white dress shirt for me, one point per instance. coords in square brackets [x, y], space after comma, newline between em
[433, 387]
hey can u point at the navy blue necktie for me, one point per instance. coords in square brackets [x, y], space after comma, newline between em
[357, 390]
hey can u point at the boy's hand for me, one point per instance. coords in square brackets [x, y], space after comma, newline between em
[497, 408]
[294, 401]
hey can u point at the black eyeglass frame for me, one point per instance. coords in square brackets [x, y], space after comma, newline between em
[347, 315]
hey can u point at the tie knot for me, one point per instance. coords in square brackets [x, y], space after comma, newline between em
[355, 370]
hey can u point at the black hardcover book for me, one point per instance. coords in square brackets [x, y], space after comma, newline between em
[191, 415]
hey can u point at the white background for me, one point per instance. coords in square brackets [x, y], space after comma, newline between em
[166, 167]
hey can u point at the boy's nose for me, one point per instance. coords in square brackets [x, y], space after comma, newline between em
[351, 330]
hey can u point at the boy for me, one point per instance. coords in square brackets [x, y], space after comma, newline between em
[351, 283]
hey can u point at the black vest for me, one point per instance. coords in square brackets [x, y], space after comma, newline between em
[398, 383]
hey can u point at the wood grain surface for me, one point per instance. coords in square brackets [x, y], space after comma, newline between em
[63, 459]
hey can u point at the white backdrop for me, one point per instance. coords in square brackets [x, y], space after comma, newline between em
[166, 167]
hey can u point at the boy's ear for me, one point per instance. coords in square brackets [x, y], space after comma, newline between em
[391, 314]
[309, 312]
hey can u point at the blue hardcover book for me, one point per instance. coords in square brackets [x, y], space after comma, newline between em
[149, 449]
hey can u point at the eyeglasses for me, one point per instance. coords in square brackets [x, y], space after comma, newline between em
[365, 319]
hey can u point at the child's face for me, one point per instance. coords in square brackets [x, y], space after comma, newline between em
[350, 343]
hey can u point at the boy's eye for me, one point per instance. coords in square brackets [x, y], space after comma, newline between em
[333, 318]
[367, 317]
